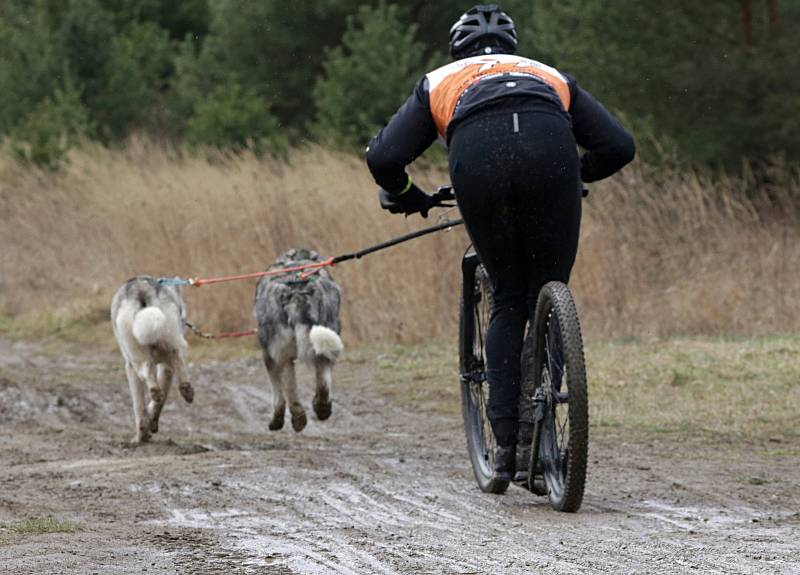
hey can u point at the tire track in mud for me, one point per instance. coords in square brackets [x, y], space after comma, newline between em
[377, 489]
[354, 524]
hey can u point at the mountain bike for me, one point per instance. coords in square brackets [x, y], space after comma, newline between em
[552, 445]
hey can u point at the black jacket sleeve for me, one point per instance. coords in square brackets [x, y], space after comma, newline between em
[409, 133]
[608, 145]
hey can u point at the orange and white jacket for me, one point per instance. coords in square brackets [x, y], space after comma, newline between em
[497, 83]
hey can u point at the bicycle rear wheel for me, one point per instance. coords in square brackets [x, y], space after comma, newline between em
[476, 304]
[560, 374]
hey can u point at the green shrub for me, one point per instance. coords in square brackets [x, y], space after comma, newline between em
[196, 75]
[368, 77]
[85, 39]
[237, 118]
[687, 70]
[30, 64]
[140, 60]
[275, 48]
[57, 124]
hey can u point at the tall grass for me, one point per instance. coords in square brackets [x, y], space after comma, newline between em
[678, 252]
[660, 254]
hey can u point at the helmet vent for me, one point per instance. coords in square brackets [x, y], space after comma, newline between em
[481, 26]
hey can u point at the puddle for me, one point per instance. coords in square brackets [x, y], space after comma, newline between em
[693, 518]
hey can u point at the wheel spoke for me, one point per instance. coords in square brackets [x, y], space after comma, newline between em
[563, 431]
[555, 446]
[555, 359]
[475, 398]
[561, 385]
[481, 405]
[488, 452]
[547, 352]
[481, 441]
[481, 325]
[553, 383]
[479, 331]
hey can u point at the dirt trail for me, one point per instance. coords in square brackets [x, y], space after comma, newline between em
[379, 488]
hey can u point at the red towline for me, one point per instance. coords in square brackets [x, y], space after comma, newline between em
[314, 267]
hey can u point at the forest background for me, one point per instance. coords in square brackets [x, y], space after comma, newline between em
[204, 137]
[702, 83]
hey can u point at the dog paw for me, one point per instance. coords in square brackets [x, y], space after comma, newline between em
[322, 408]
[299, 420]
[187, 391]
[141, 436]
[277, 422]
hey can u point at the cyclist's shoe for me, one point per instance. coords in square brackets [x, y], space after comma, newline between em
[523, 461]
[504, 462]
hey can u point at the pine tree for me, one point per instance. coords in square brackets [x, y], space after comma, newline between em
[367, 77]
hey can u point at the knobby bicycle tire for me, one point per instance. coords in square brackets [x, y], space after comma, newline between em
[476, 300]
[563, 447]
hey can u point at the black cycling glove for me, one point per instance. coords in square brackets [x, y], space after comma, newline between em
[411, 201]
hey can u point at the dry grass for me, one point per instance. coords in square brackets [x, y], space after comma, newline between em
[740, 388]
[660, 254]
[722, 390]
[678, 253]
[71, 239]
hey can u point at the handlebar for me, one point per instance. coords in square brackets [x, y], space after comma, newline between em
[439, 199]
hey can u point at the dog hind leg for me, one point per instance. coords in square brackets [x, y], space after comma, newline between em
[136, 385]
[275, 372]
[322, 403]
[164, 374]
[186, 389]
[299, 419]
[153, 407]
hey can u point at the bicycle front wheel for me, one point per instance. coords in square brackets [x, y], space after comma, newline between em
[561, 376]
[476, 304]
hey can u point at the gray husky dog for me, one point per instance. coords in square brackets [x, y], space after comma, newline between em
[148, 319]
[298, 319]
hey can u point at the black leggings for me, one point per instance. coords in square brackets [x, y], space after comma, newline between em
[518, 188]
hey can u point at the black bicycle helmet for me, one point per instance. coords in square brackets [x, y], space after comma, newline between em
[483, 29]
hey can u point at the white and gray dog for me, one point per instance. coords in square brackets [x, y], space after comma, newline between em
[148, 318]
[298, 318]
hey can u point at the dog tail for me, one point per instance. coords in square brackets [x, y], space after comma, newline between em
[150, 326]
[325, 342]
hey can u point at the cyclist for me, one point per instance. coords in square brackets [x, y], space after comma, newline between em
[511, 126]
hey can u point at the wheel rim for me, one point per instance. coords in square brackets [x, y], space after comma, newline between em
[483, 432]
[483, 438]
[555, 431]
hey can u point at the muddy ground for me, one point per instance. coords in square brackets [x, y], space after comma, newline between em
[382, 487]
